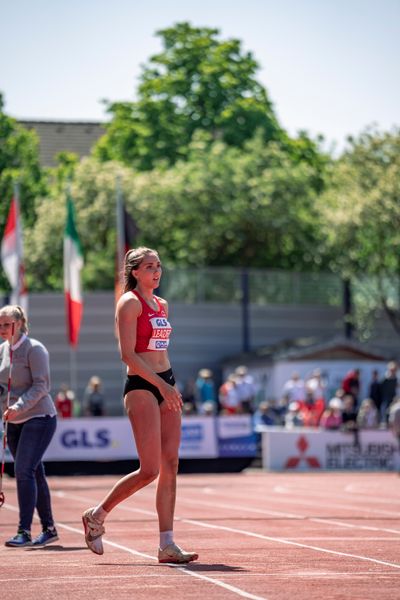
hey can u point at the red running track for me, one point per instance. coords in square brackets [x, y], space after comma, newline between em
[259, 536]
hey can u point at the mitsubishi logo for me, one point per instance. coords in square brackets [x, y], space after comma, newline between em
[294, 461]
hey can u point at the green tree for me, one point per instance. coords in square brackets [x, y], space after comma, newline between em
[19, 163]
[197, 82]
[361, 215]
[93, 190]
[223, 206]
[231, 207]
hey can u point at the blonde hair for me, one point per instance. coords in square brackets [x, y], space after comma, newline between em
[133, 259]
[17, 313]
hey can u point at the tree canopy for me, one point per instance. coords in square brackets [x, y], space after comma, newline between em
[197, 82]
[19, 164]
[361, 215]
[223, 206]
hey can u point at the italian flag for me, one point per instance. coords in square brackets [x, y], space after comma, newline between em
[73, 263]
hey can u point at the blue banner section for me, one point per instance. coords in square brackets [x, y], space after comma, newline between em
[236, 436]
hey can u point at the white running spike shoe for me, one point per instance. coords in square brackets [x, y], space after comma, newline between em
[93, 531]
[173, 554]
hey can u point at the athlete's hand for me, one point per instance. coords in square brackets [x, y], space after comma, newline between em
[172, 397]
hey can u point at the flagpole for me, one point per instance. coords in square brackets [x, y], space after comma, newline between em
[16, 293]
[16, 290]
[120, 230]
[73, 372]
[120, 252]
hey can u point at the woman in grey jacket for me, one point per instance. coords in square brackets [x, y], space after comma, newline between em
[31, 423]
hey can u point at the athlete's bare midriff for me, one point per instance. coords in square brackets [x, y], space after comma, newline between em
[157, 361]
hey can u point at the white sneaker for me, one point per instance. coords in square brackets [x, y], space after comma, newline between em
[173, 554]
[93, 531]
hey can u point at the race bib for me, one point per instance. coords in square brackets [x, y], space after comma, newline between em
[161, 332]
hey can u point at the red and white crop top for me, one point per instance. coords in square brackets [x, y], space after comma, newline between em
[153, 329]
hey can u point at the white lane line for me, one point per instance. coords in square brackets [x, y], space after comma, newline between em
[217, 582]
[241, 509]
[288, 542]
[347, 506]
[317, 538]
[33, 579]
[354, 526]
[280, 489]
[270, 538]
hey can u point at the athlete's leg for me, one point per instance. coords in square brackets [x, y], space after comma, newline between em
[144, 415]
[166, 488]
[168, 551]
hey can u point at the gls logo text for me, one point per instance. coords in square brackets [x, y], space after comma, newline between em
[73, 438]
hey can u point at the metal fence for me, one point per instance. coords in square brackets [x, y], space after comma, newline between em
[214, 284]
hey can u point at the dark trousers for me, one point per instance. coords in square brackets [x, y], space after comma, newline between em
[28, 442]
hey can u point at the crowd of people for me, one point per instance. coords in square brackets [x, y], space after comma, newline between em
[236, 395]
[93, 404]
[305, 402]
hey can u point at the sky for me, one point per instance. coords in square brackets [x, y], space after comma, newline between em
[330, 67]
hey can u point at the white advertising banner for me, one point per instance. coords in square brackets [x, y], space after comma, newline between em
[304, 449]
[92, 439]
[199, 438]
[108, 439]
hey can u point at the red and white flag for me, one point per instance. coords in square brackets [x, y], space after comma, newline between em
[73, 263]
[12, 256]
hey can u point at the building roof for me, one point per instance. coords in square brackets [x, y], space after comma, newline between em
[60, 136]
[309, 348]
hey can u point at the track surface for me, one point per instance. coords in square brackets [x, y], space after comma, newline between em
[259, 536]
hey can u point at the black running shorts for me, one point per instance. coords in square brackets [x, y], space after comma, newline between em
[135, 382]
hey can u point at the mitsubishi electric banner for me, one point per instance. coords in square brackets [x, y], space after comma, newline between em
[315, 449]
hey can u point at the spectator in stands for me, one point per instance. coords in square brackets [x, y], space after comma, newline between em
[349, 411]
[349, 416]
[388, 390]
[208, 409]
[265, 414]
[189, 397]
[311, 409]
[293, 416]
[332, 416]
[228, 396]
[394, 424]
[189, 392]
[93, 398]
[316, 385]
[375, 391]
[367, 416]
[281, 407]
[188, 409]
[64, 402]
[205, 389]
[246, 389]
[351, 384]
[294, 389]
